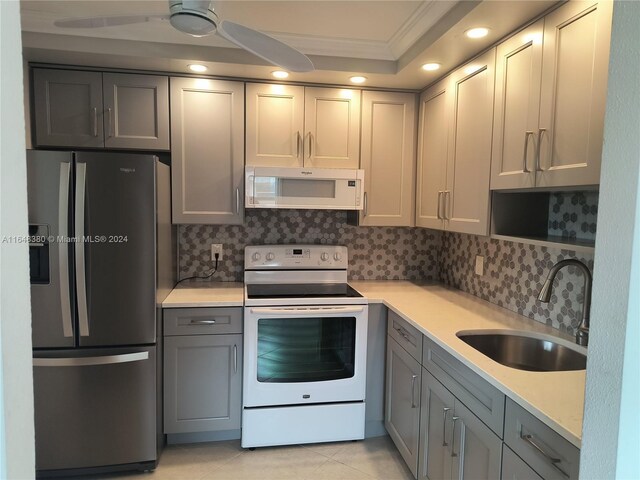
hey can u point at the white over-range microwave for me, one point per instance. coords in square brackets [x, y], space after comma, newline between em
[304, 188]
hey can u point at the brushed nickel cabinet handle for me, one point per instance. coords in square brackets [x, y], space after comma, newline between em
[413, 390]
[110, 119]
[366, 205]
[202, 322]
[310, 144]
[235, 359]
[439, 205]
[454, 419]
[551, 459]
[238, 201]
[298, 144]
[446, 195]
[95, 122]
[445, 410]
[541, 132]
[527, 135]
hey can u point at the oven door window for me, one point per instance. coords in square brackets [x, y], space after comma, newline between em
[306, 349]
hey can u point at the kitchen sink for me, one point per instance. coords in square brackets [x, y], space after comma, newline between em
[525, 352]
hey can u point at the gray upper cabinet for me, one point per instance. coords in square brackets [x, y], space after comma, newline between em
[551, 81]
[95, 110]
[402, 411]
[67, 108]
[207, 151]
[136, 111]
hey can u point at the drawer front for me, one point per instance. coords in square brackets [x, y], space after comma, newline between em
[543, 449]
[202, 321]
[405, 334]
[484, 400]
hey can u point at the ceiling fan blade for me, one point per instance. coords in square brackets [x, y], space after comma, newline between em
[99, 22]
[266, 47]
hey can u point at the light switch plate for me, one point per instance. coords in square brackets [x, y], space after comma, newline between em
[479, 265]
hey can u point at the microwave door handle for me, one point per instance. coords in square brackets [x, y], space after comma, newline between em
[81, 279]
[306, 311]
[63, 248]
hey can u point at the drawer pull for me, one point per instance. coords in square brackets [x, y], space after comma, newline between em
[202, 322]
[553, 460]
[403, 334]
[445, 410]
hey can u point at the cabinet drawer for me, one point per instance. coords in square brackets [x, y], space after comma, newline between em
[406, 335]
[484, 400]
[202, 321]
[544, 450]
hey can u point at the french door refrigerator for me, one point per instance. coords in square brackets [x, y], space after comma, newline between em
[100, 266]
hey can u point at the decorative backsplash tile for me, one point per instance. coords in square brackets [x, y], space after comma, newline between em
[375, 253]
[514, 273]
[573, 214]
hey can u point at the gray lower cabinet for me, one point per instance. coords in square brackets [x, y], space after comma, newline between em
[202, 370]
[207, 151]
[73, 108]
[454, 443]
[402, 411]
[514, 468]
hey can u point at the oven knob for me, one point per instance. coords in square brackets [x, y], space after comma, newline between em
[337, 257]
[324, 257]
[256, 257]
[270, 256]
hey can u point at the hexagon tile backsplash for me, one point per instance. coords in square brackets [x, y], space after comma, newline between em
[514, 272]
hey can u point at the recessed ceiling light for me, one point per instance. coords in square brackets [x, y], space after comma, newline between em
[280, 74]
[478, 32]
[358, 79]
[430, 67]
[196, 67]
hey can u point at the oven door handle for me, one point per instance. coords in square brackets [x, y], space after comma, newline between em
[306, 310]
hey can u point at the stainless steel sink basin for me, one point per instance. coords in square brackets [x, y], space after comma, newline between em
[517, 350]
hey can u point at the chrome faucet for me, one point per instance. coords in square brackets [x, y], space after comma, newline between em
[582, 335]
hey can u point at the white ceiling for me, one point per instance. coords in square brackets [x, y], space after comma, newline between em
[387, 41]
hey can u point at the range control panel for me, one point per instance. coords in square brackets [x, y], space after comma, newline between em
[268, 257]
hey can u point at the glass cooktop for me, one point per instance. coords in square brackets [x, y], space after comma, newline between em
[301, 290]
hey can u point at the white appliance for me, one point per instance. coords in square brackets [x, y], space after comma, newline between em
[305, 347]
[304, 188]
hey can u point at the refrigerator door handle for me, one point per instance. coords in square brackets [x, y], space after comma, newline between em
[63, 248]
[81, 279]
[89, 361]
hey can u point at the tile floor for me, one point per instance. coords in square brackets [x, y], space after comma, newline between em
[374, 458]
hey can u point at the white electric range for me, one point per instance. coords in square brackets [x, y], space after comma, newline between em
[305, 347]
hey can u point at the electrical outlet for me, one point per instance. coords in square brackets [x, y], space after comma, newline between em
[479, 265]
[216, 248]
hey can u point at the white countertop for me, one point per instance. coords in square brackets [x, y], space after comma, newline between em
[556, 398]
[192, 294]
[439, 312]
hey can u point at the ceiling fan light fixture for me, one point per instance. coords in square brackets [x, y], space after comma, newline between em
[193, 17]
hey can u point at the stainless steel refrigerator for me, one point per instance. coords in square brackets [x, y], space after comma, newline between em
[101, 262]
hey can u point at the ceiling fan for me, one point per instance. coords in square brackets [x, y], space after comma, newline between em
[197, 18]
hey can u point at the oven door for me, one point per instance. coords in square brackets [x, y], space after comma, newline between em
[304, 355]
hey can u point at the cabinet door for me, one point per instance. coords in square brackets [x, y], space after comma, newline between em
[136, 109]
[517, 104]
[67, 107]
[275, 125]
[388, 158]
[202, 383]
[475, 450]
[574, 83]
[402, 410]
[436, 429]
[332, 127]
[469, 162]
[433, 149]
[207, 140]
[514, 468]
